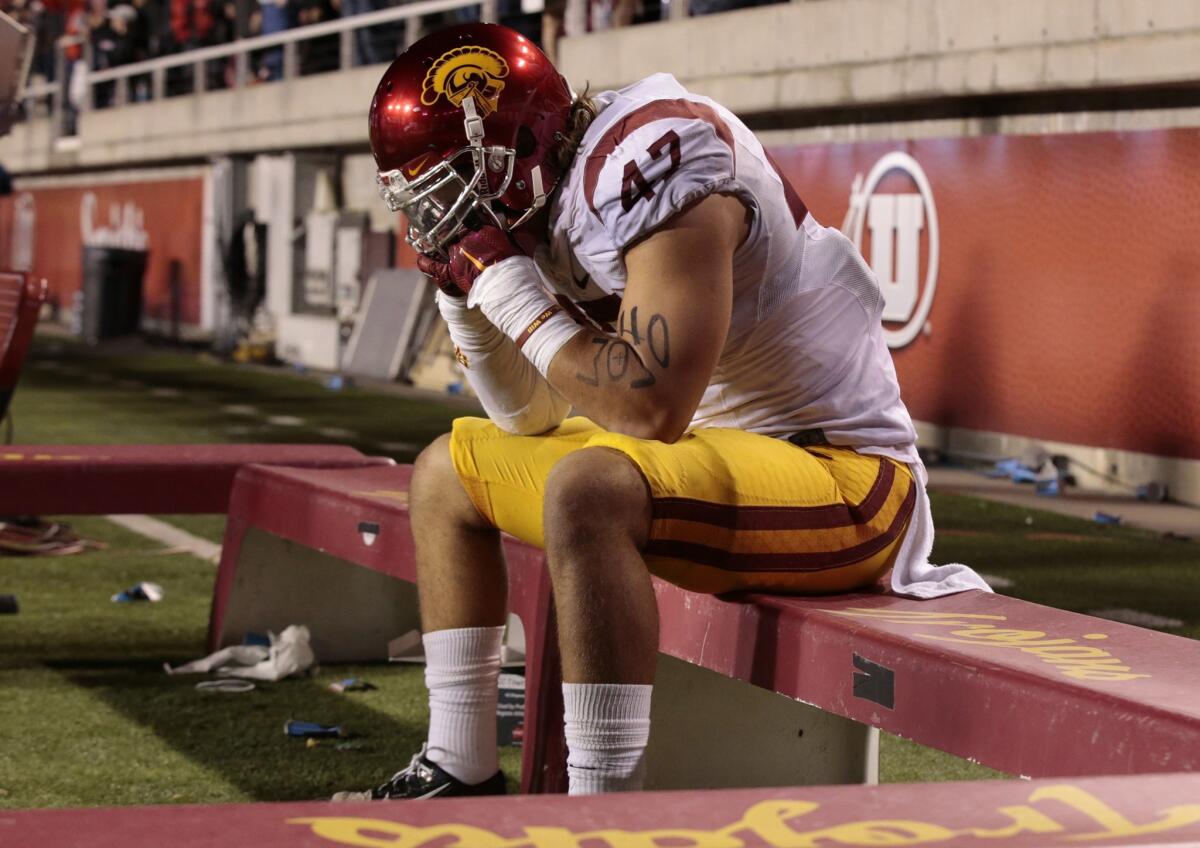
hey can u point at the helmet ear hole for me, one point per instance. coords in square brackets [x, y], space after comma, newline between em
[526, 142]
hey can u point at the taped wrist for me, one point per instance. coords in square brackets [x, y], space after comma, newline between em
[515, 396]
[511, 296]
[470, 330]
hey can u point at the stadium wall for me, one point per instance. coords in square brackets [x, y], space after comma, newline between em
[1067, 262]
[49, 221]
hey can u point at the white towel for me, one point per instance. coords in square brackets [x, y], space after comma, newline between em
[914, 575]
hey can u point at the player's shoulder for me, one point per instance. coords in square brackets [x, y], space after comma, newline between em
[653, 149]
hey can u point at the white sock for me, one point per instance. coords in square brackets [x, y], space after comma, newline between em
[608, 726]
[461, 672]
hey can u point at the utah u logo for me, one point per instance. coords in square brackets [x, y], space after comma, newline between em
[895, 223]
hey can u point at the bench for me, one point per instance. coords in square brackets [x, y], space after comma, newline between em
[21, 300]
[1023, 688]
[145, 479]
[1110, 811]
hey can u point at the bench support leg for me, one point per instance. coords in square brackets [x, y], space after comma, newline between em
[710, 731]
[351, 612]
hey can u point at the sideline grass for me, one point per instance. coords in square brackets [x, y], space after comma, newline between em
[89, 718]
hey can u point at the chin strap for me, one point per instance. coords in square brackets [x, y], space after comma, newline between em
[473, 124]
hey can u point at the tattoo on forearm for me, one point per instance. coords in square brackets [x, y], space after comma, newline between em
[616, 360]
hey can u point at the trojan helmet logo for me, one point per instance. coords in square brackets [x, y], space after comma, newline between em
[466, 72]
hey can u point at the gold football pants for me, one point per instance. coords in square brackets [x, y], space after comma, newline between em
[731, 510]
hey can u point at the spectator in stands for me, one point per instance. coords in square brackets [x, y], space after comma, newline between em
[223, 31]
[366, 51]
[110, 45]
[74, 72]
[318, 55]
[274, 14]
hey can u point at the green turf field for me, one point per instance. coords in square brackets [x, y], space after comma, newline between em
[87, 716]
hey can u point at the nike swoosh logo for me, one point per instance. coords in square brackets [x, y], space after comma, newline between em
[416, 169]
[433, 792]
[581, 282]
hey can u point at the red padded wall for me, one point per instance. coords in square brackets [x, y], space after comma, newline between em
[1068, 292]
[172, 215]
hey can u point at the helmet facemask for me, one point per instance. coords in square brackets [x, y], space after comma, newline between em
[458, 191]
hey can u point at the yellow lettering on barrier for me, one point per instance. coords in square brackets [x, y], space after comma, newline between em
[43, 457]
[766, 823]
[1081, 662]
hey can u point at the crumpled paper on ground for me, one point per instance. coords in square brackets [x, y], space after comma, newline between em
[290, 653]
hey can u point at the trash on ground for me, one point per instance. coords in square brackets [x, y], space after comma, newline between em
[312, 730]
[9, 605]
[245, 655]
[36, 537]
[352, 684]
[1106, 518]
[143, 591]
[289, 654]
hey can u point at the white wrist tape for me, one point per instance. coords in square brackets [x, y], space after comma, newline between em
[515, 396]
[510, 294]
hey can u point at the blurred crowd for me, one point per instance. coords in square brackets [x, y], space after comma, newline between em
[75, 36]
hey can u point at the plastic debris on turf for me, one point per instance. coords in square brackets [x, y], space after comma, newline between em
[9, 605]
[1106, 518]
[289, 654]
[143, 591]
[352, 684]
[312, 730]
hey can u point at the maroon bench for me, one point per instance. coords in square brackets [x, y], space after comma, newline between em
[1110, 811]
[1022, 688]
[21, 299]
[154, 479]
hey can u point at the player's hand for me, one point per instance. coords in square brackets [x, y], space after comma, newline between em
[470, 256]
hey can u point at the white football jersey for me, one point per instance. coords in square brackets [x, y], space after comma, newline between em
[805, 348]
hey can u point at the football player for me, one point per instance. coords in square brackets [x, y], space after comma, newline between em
[637, 257]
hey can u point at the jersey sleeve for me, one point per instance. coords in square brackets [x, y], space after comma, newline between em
[645, 171]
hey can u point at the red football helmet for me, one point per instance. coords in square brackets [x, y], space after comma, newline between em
[462, 127]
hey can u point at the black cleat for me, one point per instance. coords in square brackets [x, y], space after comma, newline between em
[423, 779]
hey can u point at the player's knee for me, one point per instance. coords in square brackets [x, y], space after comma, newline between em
[594, 494]
[433, 472]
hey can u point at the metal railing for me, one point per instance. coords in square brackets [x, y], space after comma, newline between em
[120, 79]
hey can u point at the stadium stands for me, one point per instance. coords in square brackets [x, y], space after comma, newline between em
[1112, 811]
[1019, 687]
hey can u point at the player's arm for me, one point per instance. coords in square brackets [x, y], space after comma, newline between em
[647, 379]
[513, 394]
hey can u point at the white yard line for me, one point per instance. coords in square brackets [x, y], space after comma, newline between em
[998, 582]
[337, 433]
[1141, 619]
[169, 535]
[399, 447]
[285, 421]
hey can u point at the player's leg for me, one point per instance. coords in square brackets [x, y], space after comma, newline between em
[597, 519]
[463, 593]
[461, 579]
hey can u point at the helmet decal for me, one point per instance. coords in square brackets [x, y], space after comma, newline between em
[463, 72]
